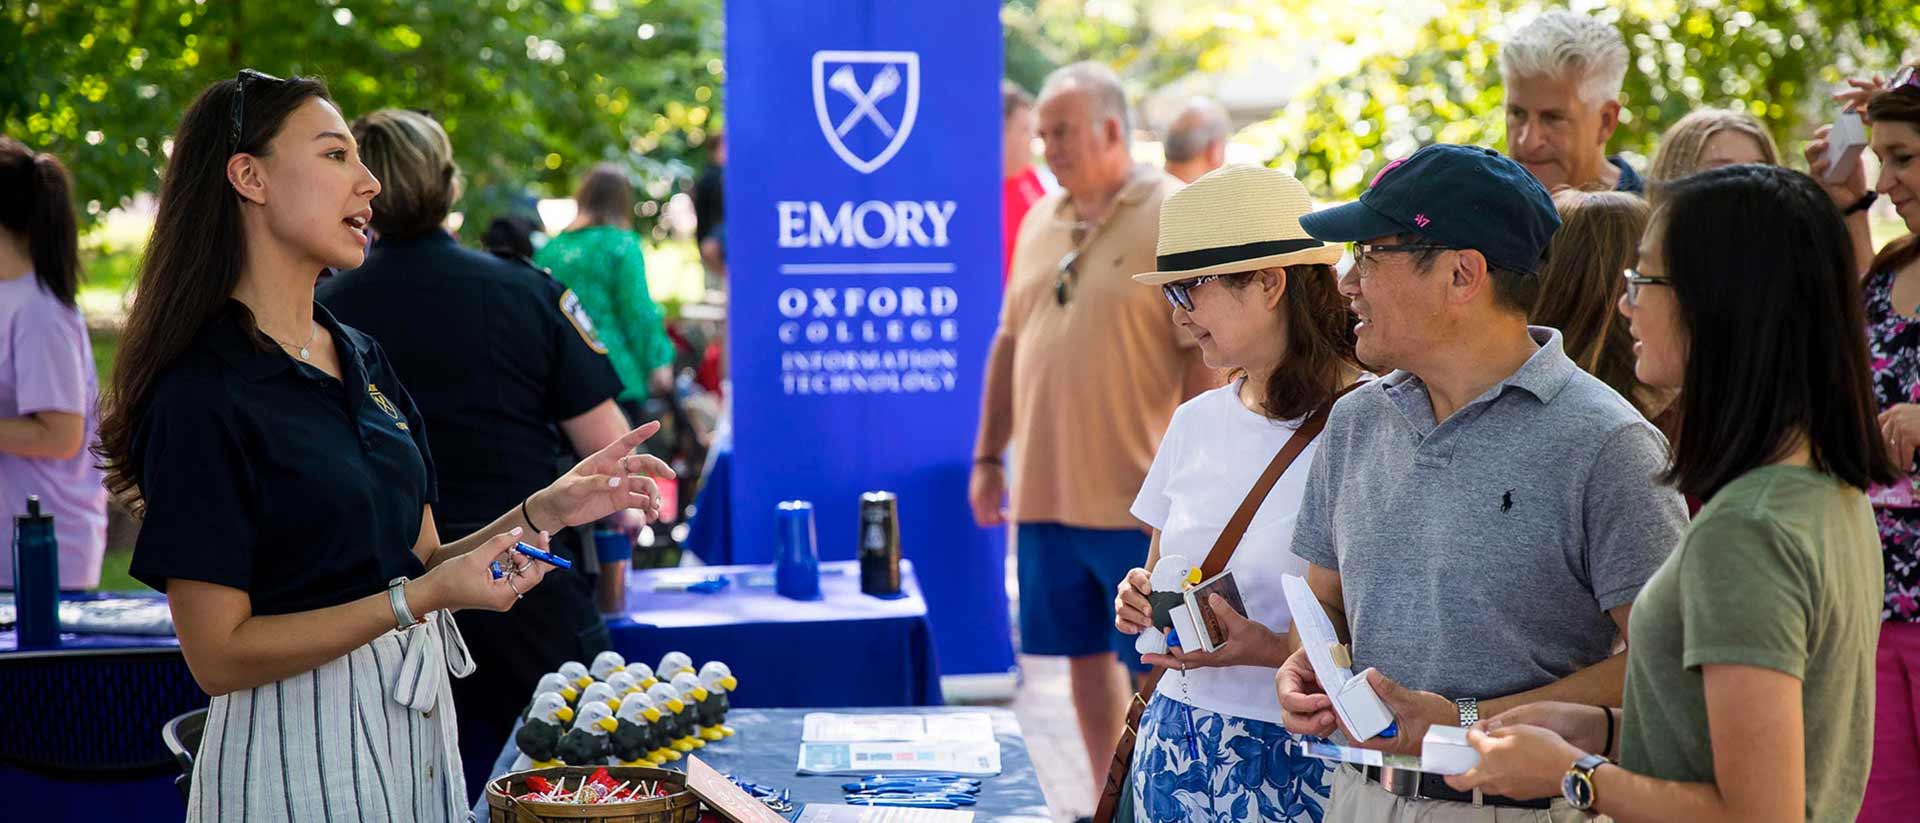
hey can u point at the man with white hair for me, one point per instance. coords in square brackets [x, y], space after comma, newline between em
[1563, 73]
[1196, 140]
[1082, 379]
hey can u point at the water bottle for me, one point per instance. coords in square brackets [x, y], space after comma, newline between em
[796, 568]
[36, 579]
[880, 544]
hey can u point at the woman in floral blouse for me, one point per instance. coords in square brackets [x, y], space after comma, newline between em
[1892, 291]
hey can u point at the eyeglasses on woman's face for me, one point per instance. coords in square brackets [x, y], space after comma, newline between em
[1181, 294]
[1635, 280]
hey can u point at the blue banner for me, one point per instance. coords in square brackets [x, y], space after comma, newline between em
[863, 244]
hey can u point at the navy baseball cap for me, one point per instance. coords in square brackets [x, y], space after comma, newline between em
[1466, 197]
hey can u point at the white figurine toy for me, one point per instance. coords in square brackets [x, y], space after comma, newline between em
[600, 693]
[632, 742]
[642, 674]
[622, 684]
[587, 743]
[671, 664]
[576, 673]
[605, 664]
[673, 716]
[539, 738]
[718, 680]
[554, 682]
[1171, 578]
[694, 695]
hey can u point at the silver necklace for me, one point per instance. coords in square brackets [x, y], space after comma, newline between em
[313, 331]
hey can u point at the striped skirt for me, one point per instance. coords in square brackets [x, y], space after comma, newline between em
[369, 736]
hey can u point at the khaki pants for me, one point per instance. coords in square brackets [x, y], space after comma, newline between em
[1357, 801]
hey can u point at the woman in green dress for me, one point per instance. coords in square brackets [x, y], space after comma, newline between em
[600, 258]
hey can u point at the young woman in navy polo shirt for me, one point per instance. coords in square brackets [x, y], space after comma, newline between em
[286, 488]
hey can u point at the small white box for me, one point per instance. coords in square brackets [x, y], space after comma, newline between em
[1184, 631]
[1445, 750]
[1359, 709]
[1844, 143]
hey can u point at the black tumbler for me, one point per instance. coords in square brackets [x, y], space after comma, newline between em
[880, 544]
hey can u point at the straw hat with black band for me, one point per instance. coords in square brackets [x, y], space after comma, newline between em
[1237, 218]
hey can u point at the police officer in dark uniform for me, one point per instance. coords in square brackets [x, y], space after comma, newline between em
[510, 378]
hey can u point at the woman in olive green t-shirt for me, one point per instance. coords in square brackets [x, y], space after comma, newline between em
[1750, 665]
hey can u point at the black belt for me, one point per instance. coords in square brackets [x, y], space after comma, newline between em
[1424, 786]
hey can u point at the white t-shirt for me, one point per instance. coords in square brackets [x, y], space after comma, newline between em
[1214, 451]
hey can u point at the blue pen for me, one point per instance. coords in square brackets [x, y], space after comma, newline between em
[911, 785]
[913, 804]
[544, 557]
[923, 776]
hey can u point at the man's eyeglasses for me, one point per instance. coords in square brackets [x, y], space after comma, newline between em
[1361, 251]
[1635, 280]
[1179, 293]
[240, 104]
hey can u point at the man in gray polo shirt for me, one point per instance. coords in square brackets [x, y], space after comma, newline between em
[1479, 521]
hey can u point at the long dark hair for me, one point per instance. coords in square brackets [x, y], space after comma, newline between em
[1580, 282]
[1901, 105]
[36, 200]
[193, 259]
[1319, 340]
[1773, 318]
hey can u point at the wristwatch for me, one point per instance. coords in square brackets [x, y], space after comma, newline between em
[1469, 710]
[1577, 786]
[397, 598]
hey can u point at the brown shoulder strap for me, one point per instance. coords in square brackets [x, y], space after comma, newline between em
[1122, 765]
[1229, 539]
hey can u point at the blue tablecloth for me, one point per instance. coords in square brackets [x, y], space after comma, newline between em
[846, 649]
[710, 529]
[80, 734]
[767, 749]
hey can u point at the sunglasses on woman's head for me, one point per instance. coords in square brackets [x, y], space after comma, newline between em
[240, 104]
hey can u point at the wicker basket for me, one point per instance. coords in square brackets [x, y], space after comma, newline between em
[680, 806]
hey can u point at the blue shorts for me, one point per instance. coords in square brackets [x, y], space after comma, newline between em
[1068, 577]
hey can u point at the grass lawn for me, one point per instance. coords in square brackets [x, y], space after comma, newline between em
[113, 572]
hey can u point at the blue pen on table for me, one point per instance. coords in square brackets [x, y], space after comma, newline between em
[544, 557]
[950, 777]
[911, 785]
[914, 803]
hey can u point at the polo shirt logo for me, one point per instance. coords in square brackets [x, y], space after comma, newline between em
[381, 400]
[1506, 502]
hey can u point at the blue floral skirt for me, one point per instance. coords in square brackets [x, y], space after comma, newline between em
[1192, 764]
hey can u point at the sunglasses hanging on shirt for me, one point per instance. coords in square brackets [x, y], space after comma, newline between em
[1067, 272]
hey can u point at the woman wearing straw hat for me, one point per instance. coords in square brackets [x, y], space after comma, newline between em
[1259, 296]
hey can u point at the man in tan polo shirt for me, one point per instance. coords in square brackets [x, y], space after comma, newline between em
[1084, 373]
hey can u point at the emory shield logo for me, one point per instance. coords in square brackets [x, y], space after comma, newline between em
[866, 102]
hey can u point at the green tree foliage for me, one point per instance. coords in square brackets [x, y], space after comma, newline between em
[532, 92]
[1133, 36]
[1779, 61]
